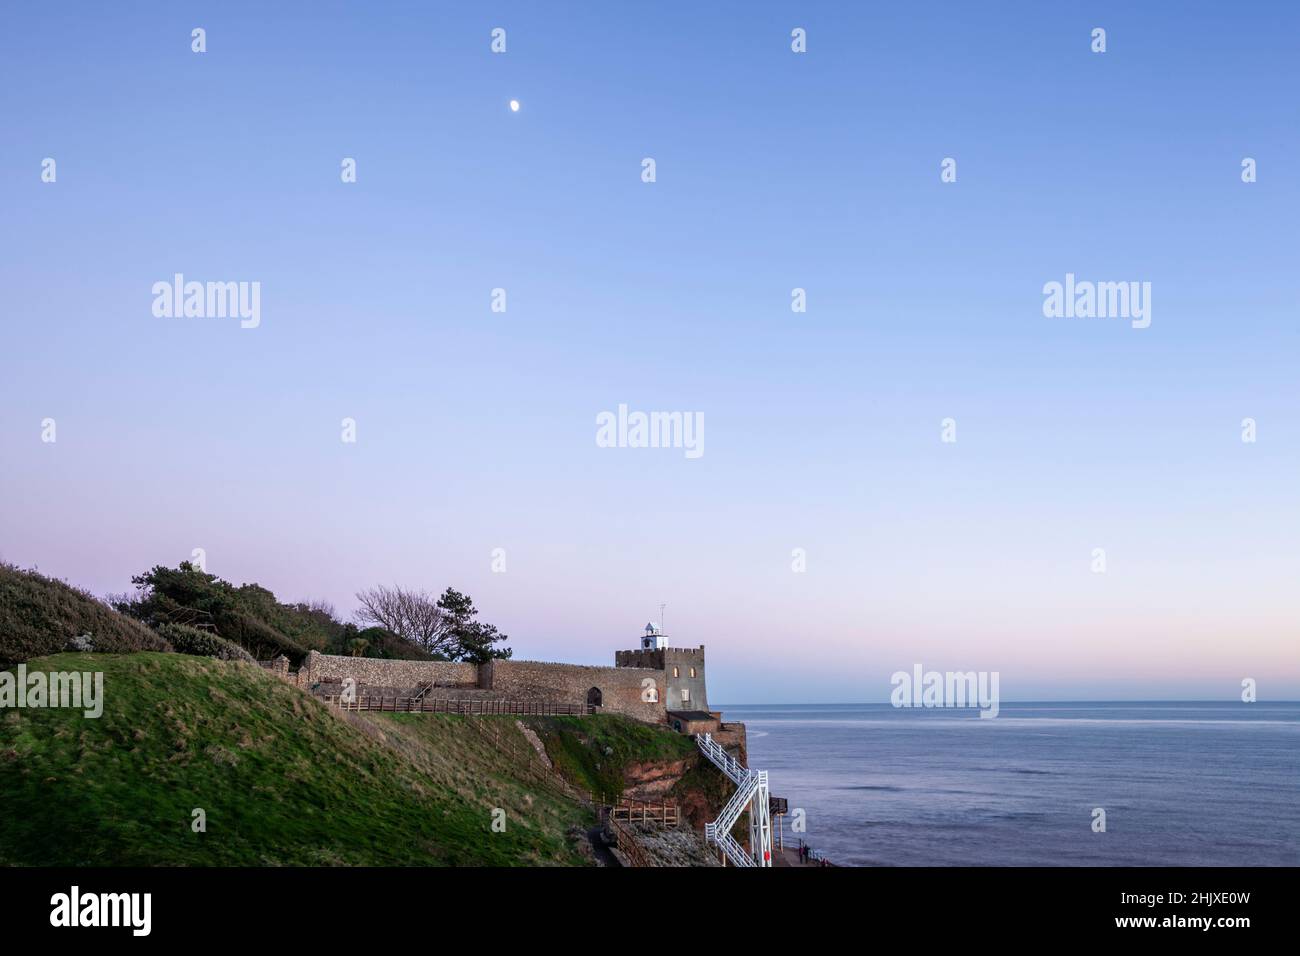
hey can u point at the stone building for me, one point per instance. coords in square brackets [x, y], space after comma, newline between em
[682, 669]
[654, 683]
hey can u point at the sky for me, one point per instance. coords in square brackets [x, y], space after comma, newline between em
[774, 170]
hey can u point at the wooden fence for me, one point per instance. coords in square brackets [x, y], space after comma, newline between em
[639, 811]
[469, 706]
[626, 842]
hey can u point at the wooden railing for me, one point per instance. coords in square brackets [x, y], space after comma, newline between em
[626, 842]
[639, 811]
[469, 707]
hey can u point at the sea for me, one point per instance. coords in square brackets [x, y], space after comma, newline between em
[1180, 784]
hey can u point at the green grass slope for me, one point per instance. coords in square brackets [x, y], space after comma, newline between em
[283, 780]
[594, 754]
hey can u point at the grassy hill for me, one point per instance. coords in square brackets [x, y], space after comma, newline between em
[283, 779]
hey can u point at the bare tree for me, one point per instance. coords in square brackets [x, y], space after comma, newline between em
[412, 615]
[426, 623]
[381, 606]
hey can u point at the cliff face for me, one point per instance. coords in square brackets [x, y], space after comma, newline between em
[732, 737]
[616, 758]
[653, 780]
[693, 783]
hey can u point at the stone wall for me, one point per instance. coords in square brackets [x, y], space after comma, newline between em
[333, 686]
[621, 688]
[378, 672]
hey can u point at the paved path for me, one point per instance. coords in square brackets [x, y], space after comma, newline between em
[787, 857]
[790, 857]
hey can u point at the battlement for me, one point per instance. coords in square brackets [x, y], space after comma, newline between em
[659, 658]
[653, 659]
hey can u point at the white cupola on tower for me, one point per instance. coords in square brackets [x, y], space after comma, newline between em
[654, 639]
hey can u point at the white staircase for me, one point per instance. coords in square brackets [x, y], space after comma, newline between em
[751, 791]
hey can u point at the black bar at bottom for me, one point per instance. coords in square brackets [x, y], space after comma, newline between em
[994, 904]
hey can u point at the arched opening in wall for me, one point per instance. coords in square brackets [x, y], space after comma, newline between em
[594, 697]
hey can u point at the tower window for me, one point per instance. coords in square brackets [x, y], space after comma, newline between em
[692, 671]
[677, 672]
[686, 695]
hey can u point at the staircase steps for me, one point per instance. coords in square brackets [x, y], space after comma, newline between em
[752, 794]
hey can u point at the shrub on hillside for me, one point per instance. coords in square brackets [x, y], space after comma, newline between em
[258, 638]
[40, 616]
[190, 596]
[190, 640]
[311, 626]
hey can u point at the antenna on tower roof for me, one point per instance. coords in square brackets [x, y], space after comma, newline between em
[661, 617]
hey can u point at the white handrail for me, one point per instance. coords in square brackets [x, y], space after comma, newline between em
[751, 790]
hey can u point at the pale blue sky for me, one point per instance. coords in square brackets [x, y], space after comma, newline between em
[775, 170]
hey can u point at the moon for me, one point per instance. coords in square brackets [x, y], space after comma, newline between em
[514, 106]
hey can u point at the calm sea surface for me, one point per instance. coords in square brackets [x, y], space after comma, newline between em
[1182, 784]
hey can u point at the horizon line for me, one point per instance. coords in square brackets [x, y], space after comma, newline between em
[1142, 700]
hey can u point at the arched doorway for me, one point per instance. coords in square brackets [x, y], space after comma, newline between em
[594, 697]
